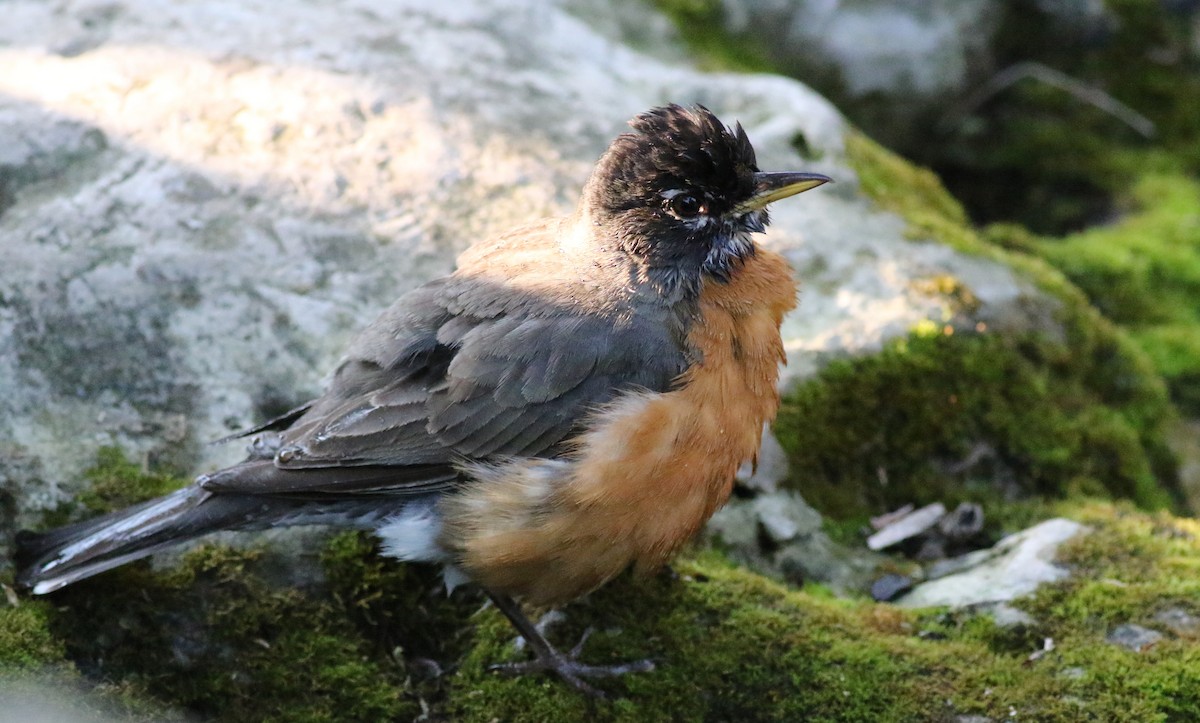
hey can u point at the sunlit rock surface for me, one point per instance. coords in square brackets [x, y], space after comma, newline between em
[201, 202]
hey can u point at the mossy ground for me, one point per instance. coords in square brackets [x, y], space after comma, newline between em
[734, 646]
[218, 635]
[729, 644]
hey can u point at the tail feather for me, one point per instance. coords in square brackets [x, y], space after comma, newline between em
[51, 560]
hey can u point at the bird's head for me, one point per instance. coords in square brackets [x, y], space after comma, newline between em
[683, 194]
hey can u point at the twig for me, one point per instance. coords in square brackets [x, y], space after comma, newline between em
[1081, 91]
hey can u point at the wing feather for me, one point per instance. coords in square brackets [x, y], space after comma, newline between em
[467, 368]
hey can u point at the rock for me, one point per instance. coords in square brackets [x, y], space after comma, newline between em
[209, 211]
[1179, 621]
[890, 586]
[915, 55]
[1133, 637]
[778, 534]
[907, 527]
[1013, 567]
[768, 470]
[964, 522]
[1007, 616]
[889, 47]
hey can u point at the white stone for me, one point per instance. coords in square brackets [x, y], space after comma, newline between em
[908, 526]
[1014, 566]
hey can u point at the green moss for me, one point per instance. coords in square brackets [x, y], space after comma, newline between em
[1130, 568]
[213, 636]
[971, 416]
[1077, 409]
[1144, 272]
[115, 482]
[911, 191]
[35, 671]
[733, 646]
[25, 639]
[700, 22]
[403, 610]
[223, 635]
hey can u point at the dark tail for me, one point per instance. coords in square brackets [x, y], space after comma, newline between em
[235, 499]
[50, 560]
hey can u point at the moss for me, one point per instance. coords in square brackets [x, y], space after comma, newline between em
[115, 482]
[218, 635]
[701, 25]
[402, 610]
[979, 416]
[968, 416]
[913, 192]
[228, 634]
[35, 671]
[729, 644]
[1144, 272]
[733, 646]
[211, 635]
[25, 639]
[1131, 568]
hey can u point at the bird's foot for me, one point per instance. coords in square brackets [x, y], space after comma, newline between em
[568, 667]
[548, 659]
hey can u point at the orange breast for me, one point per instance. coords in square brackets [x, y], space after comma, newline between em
[651, 470]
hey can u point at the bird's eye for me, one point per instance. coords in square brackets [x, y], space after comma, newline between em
[686, 205]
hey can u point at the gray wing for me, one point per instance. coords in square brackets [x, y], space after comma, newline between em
[463, 369]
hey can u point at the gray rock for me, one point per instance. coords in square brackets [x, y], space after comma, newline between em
[890, 586]
[1013, 567]
[1007, 616]
[876, 46]
[899, 63]
[1179, 621]
[964, 522]
[779, 535]
[201, 203]
[768, 470]
[912, 55]
[1134, 637]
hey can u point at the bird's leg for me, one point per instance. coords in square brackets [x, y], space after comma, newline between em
[547, 658]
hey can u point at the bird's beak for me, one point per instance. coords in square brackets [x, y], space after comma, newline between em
[770, 187]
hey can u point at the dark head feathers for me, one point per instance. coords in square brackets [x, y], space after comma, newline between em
[674, 147]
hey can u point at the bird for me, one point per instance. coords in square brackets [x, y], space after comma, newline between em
[571, 402]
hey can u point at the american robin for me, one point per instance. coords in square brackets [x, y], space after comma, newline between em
[572, 401]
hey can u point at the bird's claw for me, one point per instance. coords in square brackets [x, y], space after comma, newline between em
[570, 670]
